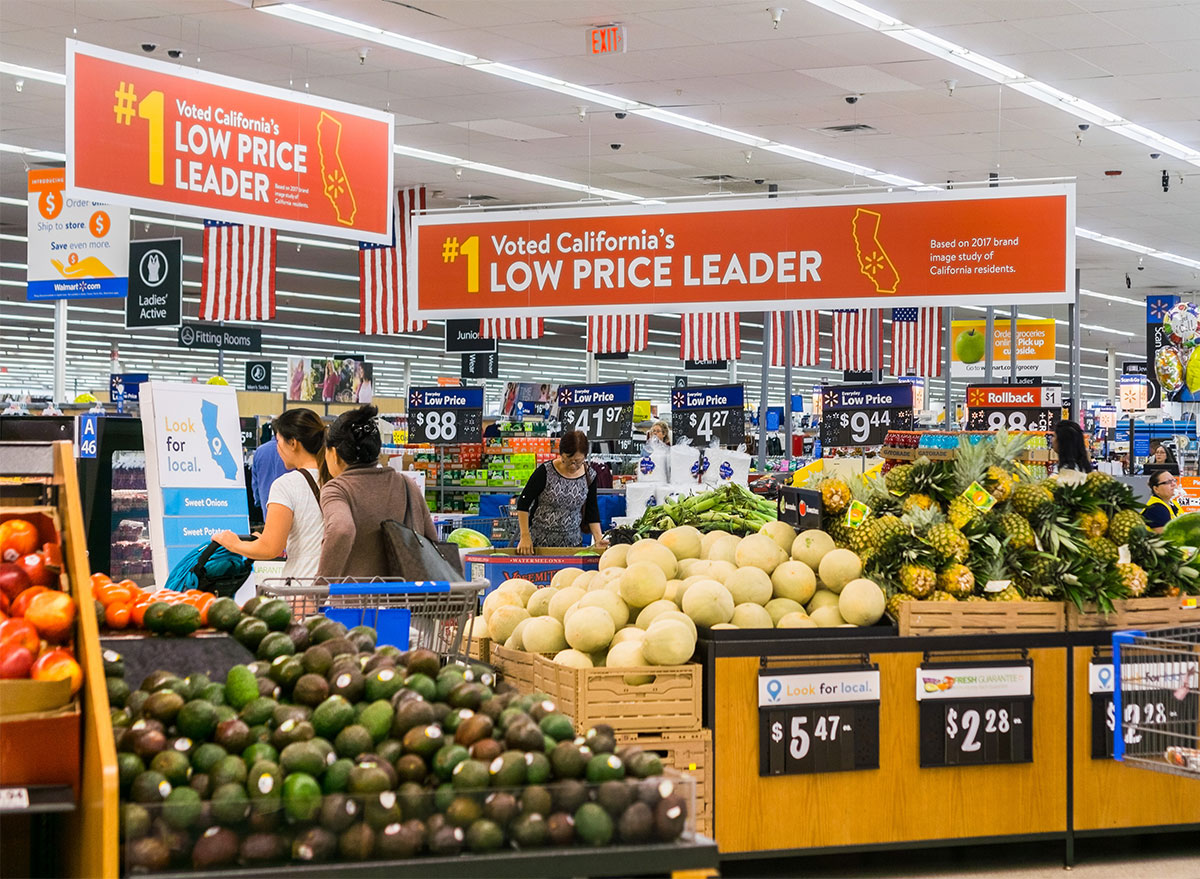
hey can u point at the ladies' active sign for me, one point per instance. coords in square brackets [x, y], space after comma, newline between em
[991, 246]
[170, 138]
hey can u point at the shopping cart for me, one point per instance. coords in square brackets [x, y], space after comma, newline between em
[1156, 696]
[501, 530]
[431, 614]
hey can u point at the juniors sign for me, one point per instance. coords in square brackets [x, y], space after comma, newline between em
[168, 138]
[994, 246]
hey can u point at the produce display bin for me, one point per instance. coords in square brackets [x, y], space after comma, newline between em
[979, 617]
[514, 666]
[498, 565]
[689, 753]
[1137, 613]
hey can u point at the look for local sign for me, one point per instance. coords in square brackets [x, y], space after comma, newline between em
[1011, 245]
[169, 138]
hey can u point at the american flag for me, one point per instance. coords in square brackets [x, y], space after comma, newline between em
[917, 341]
[511, 328]
[852, 338]
[709, 336]
[385, 280]
[617, 333]
[237, 280]
[806, 338]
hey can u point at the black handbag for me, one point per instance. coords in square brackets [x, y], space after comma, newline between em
[412, 556]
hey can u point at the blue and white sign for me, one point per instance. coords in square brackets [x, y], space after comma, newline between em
[194, 468]
[595, 395]
[719, 397]
[603, 412]
[89, 435]
[445, 415]
[818, 687]
[707, 414]
[868, 397]
[125, 385]
[863, 415]
[445, 398]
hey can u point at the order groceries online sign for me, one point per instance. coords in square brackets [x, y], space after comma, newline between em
[170, 138]
[995, 246]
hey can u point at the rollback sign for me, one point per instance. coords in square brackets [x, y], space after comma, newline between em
[1013, 408]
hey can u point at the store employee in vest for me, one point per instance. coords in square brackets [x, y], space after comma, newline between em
[1161, 509]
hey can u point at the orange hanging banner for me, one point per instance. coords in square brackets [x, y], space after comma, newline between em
[935, 247]
[171, 138]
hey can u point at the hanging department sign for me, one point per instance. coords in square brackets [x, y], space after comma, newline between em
[169, 138]
[990, 246]
[78, 248]
[155, 284]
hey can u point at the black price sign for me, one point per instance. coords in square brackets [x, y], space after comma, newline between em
[974, 715]
[705, 414]
[1156, 708]
[603, 412]
[862, 416]
[818, 719]
[445, 415]
[1014, 407]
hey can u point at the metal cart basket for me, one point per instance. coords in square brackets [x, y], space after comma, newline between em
[502, 531]
[431, 614]
[1156, 698]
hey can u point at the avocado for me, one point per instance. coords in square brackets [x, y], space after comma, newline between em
[146, 740]
[118, 692]
[569, 760]
[135, 702]
[263, 848]
[315, 845]
[181, 808]
[422, 684]
[410, 714]
[363, 638]
[537, 768]
[466, 695]
[510, 715]
[331, 716]
[601, 739]
[524, 737]
[484, 836]
[241, 686]
[286, 669]
[275, 612]
[260, 751]
[472, 729]
[327, 630]
[283, 712]
[389, 750]
[310, 689]
[343, 647]
[114, 663]
[560, 829]
[540, 709]
[230, 804]
[447, 757]
[301, 797]
[410, 767]
[197, 719]
[163, 706]
[381, 811]
[154, 620]
[265, 814]
[149, 854]
[213, 693]
[636, 824]
[357, 842]
[338, 812]
[670, 816]
[181, 620]
[501, 807]
[383, 683]
[150, 788]
[425, 741]
[263, 781]
[463, 811]
[615, 797]
[508, 770]
[452, 721]
[129, 767]
[317, 660]
[349, 684]
[377, 718]
[448, 678]
[470, 775]
[258, 710]
[134, 821]
[224, 712]
[529, 830]
[291, 731]
[447, 841]
[644, 764]
[201, 783]
[415, 802]
[230, 769]
[568, 795]
[593, 824]
[268, 688]
[352, 741]
[492, 707]
[273, 645]
[224, 614]
[216, 847]
[174, 766]
[251, 603]
[536, 799]
[399, 841]
[337, 776]
[486, 750]
[558, 727]
[368, 777]
[250, 631]
[605, 767]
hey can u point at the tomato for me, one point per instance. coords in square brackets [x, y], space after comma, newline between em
[117, 615]
[21, 602]
[3, 603]
[53, 614]
[138, 612]
[21, 632]
[17, 538]
[58, 665]
[202, 605]
[13, 580]
[34, 564]
[99, 579]
[113, 593]
[15, 661]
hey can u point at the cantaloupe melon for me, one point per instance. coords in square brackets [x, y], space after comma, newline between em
[543, 634]
[589, 629]
[476, 628]
[629, 633]
[562, 600]
[642, 583]
[672, 590]
[778, 608]
[810, 547]
[614, 556]
[611, 602]
[720, 570]
[707, 603]
[749, 585]
[781, 532]
[683, 541]
[751, 616]
[654, 552]
[573, 658]
[496, 599]
[514, 641]
[839, 567]
[629, 654]
[821, 598]
[682, 617]
[795, 621]
[653, 610]
[504, 620]
[566, 577]
[588, 580]
[539, 602]
[520, 586]
[709, 540]
[759, 551]
[861, 602]
[827, 617]
[668, 642]
[723, 626]
[691, 567]
[794, 580]
[724, 549]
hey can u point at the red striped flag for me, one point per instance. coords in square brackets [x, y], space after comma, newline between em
[385, 282]
[917, 341]
[512, 328]
[852, 334]
[709, 336]
[617, 333]
[237, 279]
[806, 338]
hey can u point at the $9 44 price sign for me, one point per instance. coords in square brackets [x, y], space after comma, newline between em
[445, 415]
[603, 412]
[818, 720]
[705, 414]
[863, 415]
[975, 715]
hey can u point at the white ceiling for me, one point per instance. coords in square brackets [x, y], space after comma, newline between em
[716, 61]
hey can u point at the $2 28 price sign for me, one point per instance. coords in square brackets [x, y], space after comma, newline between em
[445, 415]
[976, 714]
[1155, 710]
[862, 416]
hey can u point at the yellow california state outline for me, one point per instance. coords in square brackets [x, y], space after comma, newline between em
[873, 260]
[334, 180]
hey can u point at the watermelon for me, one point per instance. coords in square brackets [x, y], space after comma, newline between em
[1183, 530]
[468, 538]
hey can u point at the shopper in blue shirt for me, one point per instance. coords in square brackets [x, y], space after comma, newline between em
[265, 468]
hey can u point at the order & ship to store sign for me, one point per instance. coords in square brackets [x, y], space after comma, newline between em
[1011, 245]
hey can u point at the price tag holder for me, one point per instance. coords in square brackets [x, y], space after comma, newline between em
[863, 415]
[14, 799]
[818, 719]
[1014, 407]
[443, 416]
[1157, 707]
[975, 715]
[603, 412]
[707, 414]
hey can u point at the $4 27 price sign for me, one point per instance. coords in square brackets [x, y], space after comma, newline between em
[706, 414]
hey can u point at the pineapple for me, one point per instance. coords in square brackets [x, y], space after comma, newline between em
[1133, 578]
[942, 595]
[885, 531]
[837, 529]
[860, 538]
[1104, 550]
[893, 604]
[1028, 496]
[918, 502]
[957, 580]
[961, 512]
[1096, 479]
[948, 542]
[1016, 528]
[1010, 593]
[835, 494]
[1093, 524]
[1123, 525]
[998, 482]
[918, 581]
[899, 479]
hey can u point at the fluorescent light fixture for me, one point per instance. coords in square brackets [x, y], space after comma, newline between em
[22, 72]
[960, 56]
[31, 153]
[1123, 299]
[1137, 248]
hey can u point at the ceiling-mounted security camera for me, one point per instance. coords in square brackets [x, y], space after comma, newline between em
[615, 146]
[759, 181]
[620, 114]
[951, 85]
[1166, 180]
[1141, 266]
[149, 47]
[175, 53]
[1083, 126]
[852, 99]
[1156, 155]
[362, 54]
[776, 16]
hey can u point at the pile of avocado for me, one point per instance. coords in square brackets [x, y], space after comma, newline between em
[329, 749]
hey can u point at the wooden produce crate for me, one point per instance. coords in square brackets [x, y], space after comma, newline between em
[690, 752]
[968, 617]
[514, 666]
[670, 702]
[1137, 613]
[481, 649]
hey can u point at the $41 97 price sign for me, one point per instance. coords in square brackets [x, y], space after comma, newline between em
[705, 414]
[445, 415]
[976, 714]
[603, 412]
[863, 415]
[1014, 407]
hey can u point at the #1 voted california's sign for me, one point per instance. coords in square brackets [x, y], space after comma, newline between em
[171, 138]
[994, 246]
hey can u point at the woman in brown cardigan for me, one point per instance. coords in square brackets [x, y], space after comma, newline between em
[360, 496]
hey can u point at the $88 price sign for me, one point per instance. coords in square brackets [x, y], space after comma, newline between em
[445, 415]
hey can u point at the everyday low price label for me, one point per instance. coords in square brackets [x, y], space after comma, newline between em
[707, 414]
[975, 714]
[445, 415]
[863, 415]
[603, 412]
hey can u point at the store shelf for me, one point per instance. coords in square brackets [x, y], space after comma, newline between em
[37, 799]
